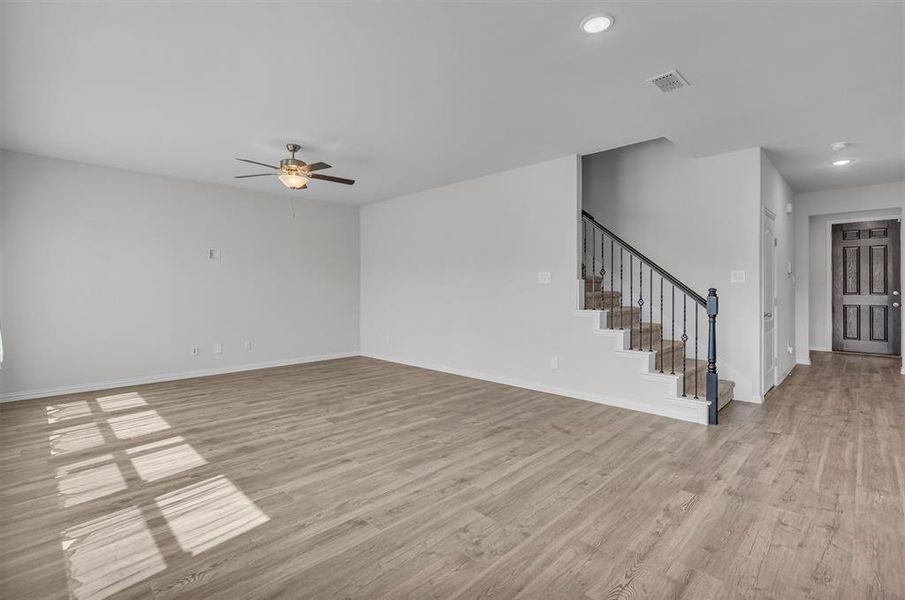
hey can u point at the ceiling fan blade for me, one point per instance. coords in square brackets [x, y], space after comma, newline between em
[316, 166]
[254, 162]
[334, 179]
[259, 175]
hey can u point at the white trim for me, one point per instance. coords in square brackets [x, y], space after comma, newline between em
[820, 349]
[683, 409]
[161, 377]
[803, 361]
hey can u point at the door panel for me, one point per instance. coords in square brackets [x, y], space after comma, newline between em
[852, 258]
[866, 292]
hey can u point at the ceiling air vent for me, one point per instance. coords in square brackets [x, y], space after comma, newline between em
[669, 82]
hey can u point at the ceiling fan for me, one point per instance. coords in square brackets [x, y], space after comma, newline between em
[294, 173]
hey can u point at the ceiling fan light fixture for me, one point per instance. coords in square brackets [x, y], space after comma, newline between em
[293, 181]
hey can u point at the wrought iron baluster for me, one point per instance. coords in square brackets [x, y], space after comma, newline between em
[593, 265]
[602, 268]
[662, 324]
[640, 304]
[672, 368]
[612, 289]
[621, 285]
[684, 339]
[696, 307]
[584, 253]
[631, 295]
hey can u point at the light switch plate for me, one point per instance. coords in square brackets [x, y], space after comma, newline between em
[218, 348]
[544, 277]
[213, 253]
[736, 277]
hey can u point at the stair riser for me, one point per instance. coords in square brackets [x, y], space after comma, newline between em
[605, 299]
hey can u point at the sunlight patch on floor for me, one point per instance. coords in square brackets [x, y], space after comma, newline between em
[75, 438]
[89, 479]
[121, 401]
[208, 513]
[164, 458]
[136, 424]
[109, 554]
[68, 410]
[113, 552]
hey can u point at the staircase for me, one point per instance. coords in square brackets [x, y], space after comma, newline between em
[661, 316]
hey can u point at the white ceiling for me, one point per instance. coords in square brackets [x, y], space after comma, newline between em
[411, 95]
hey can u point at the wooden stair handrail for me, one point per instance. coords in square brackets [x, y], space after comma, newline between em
[660, 270]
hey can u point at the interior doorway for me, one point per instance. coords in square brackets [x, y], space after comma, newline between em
[866, 288]
[768, 302]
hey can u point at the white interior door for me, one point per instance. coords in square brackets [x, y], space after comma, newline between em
[768, 265]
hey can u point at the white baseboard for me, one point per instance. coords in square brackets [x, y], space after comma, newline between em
[161, 377]
[694, 411]
[803, 361]
[820, 349]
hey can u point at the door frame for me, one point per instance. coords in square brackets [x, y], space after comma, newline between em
[766, 216]
[829, 266]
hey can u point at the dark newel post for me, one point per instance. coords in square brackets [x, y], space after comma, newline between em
[713, 381]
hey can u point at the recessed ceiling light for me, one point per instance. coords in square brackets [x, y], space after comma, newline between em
[596, 23]
[842, 162]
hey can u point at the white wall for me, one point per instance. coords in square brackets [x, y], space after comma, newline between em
[814, 212]
[449, 282]
[106, 276]
[697, 218]
[776, 195]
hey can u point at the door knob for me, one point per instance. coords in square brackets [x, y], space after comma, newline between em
[895, 305]
[895, 292]
[768, 315]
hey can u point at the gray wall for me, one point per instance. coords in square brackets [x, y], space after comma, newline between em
[449, 281]
[106, 277]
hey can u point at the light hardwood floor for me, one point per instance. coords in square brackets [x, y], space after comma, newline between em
[358, 478]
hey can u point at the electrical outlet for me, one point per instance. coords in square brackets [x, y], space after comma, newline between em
[554, 362]
[213, 253]
[193, 351]
[218, 348]
[248, 345]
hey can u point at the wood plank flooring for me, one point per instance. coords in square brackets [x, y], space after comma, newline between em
[358, 478]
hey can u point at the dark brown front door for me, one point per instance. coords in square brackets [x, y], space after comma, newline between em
[866, 294]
